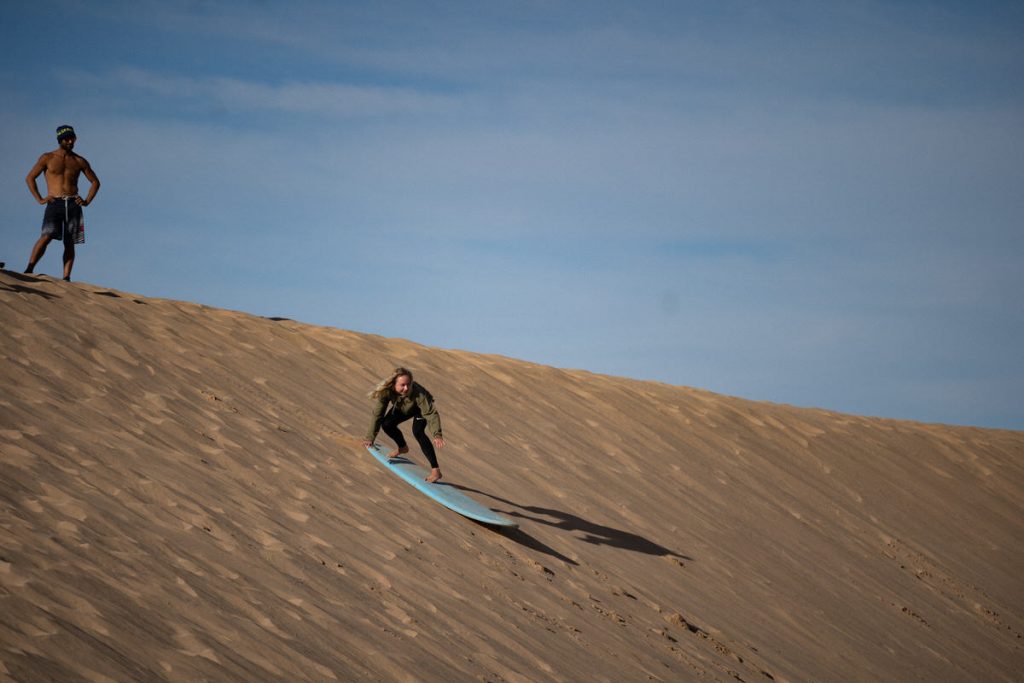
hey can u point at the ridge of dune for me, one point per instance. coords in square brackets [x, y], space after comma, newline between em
[185, 498]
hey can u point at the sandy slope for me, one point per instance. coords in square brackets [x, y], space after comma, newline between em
[185, 499]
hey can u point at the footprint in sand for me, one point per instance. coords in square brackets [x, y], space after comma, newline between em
[403, 617]
[16, 456]
[269, 541]
[67, 505]
[9, 578]
[184, 586]
[87, 617]
[301, 517]
[318, 541]
[191, 646]
[224, 572]
[189, 566]
[40, 627]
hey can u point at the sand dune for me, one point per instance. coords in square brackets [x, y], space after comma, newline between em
[185, 499]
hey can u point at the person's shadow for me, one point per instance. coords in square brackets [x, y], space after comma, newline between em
[597, 534]
[22, 289]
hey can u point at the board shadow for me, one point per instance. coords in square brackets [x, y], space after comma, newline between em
[597, 534]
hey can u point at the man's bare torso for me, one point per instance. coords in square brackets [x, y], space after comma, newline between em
[62, 170]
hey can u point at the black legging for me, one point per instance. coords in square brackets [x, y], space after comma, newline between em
[419, 430]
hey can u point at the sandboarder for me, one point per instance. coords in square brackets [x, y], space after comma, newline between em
[407, 399]
[63, 216]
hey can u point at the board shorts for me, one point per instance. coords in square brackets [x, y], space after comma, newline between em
[63, 220]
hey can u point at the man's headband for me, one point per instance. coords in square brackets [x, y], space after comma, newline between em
[65, 132]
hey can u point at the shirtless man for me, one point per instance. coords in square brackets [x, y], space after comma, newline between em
[63, 216]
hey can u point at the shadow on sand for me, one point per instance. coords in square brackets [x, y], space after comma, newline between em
[597, 534]
[21, 289]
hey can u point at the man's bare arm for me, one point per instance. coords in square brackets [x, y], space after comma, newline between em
[30, 179]
[94, 183]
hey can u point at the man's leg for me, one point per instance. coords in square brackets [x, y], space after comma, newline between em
[37, 252]
[69, 259]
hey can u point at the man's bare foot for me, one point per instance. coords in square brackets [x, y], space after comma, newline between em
[398, 451]
[435, 475]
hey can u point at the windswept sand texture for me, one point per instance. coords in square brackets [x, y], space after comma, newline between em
[185, 499]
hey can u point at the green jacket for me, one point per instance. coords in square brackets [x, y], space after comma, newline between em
[419, 403]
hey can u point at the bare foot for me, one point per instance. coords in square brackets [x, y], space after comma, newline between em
[435, 475]
[398, 451]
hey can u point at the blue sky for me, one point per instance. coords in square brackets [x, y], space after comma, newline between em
[802, 202]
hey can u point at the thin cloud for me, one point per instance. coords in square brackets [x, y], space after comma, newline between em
[306, 97]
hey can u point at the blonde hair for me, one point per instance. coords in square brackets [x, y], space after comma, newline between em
[386, 388]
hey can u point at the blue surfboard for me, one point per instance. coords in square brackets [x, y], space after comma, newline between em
[446, 495]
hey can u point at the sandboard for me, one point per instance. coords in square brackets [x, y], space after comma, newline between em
[446, 495]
